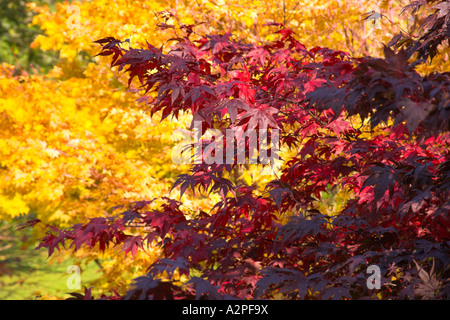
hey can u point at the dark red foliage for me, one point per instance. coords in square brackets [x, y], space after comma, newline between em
[397, 218]
[436, 27]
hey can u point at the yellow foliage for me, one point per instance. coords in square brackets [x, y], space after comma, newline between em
[13, 207]
[71, 149]
[335, 24]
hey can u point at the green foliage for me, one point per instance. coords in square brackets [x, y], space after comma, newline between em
[16, 36]
[27, 274]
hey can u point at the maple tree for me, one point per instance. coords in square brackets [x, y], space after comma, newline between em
[373, 127]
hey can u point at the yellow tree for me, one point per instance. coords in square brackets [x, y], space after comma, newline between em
[73, 143]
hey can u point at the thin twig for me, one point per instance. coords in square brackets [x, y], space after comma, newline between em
[392, 22]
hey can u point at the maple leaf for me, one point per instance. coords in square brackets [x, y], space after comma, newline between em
[280, 194]
[233, 106]
[110, 46]
[298, 227]
[429, 286]
[261, 117]
[382, 178]
[78, 296]
[372, 15]
[105, 40]
[204, 289]
[170, 266]
[204, 179]
[414, 113]
[132, 244]
[326, 97]
[313, 83]
[286, 280]
[28, 223]
[336, 293]
[443, 9]
[146, 287]
[52, 240]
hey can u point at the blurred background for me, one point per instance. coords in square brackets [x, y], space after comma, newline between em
[16, 35]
